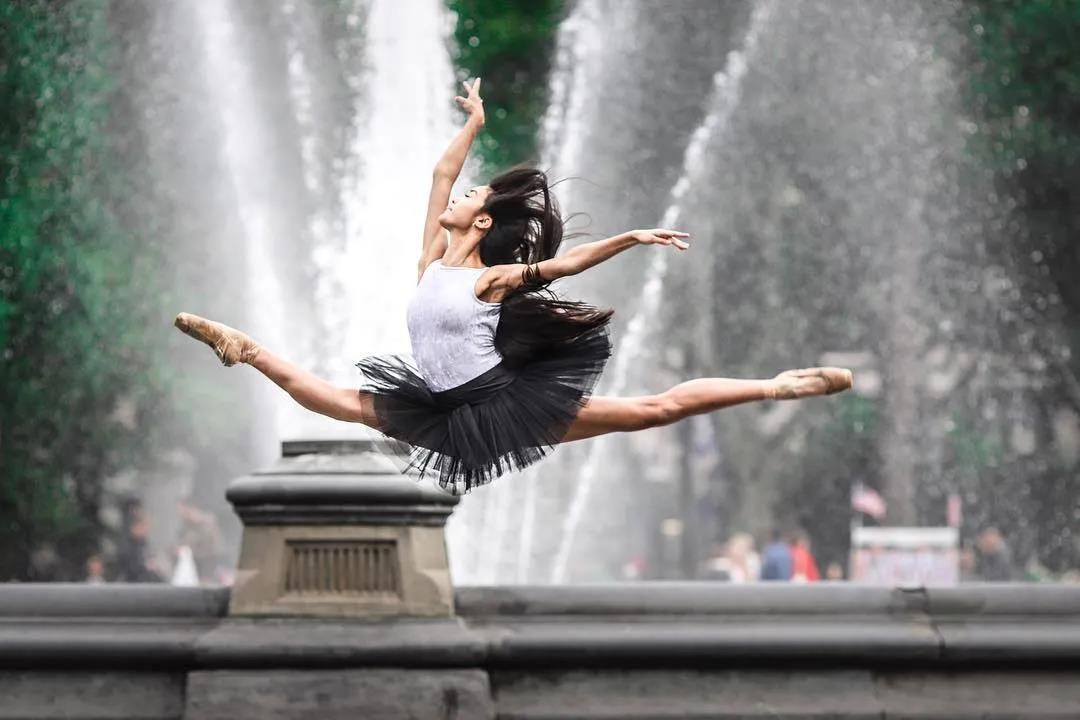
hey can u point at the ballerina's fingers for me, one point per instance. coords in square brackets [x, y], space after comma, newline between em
[672, 237]
[662, 232]
[472, 90]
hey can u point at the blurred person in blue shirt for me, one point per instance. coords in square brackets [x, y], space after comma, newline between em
[776, 559]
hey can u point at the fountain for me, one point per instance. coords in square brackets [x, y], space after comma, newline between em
[832, 207]
[833, 228]
[631, 348]
[823, 179]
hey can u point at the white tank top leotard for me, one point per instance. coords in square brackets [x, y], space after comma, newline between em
[452, 331]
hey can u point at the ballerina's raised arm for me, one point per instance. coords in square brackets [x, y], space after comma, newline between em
[446, 173]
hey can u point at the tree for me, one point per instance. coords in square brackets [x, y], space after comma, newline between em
[509, 45]
[77, 376]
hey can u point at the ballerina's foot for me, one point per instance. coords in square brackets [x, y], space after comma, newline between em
[229, 344]
[808, 382]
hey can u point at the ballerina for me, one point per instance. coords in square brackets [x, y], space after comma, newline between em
[502, 369]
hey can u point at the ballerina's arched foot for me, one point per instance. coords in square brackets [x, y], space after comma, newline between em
[230, 345]
[808, 382]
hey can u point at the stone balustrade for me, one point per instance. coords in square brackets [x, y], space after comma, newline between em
[343, 609]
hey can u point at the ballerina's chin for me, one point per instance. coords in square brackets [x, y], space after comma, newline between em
[502, 369]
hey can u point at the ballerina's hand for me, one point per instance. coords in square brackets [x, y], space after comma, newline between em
[660, 236]
[472, 104]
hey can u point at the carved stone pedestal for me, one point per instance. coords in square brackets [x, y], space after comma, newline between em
[334, 530]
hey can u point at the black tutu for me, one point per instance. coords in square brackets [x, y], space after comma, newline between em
[503, 420]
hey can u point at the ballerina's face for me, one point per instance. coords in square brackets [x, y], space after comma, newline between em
[467, 210]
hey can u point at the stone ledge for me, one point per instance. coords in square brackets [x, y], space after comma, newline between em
[674, 624]
[321, 643]
[687, 598]
[119, 600]
[142, 644]
[716, 598]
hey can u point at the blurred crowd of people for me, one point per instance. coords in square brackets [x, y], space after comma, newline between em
[196, 557]
[788, 557]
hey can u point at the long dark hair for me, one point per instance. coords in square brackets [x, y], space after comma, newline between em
[527, 228]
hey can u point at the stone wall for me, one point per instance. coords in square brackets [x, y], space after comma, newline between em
[653, 650]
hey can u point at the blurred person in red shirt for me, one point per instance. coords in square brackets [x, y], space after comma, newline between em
[805, 568]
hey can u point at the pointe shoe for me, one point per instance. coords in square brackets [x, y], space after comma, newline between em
[229, 344]
[808, 382]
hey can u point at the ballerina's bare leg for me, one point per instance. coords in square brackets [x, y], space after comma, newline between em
[602, 415]
[310, 391]
[314, 393]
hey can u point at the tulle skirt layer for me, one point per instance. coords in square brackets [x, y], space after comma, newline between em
[505, 419]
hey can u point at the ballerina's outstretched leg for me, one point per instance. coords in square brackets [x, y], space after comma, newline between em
[602, 415]
[312, 392]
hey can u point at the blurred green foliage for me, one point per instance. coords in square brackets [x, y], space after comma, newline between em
[76, 374]
[509, 46]
[1025, 99]
[1027, 84]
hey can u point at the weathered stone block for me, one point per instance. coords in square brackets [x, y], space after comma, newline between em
[88, 695]
[686, 695]
[339, 695]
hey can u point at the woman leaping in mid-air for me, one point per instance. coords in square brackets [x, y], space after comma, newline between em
[503, 369]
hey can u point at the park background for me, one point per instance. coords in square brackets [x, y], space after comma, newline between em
[889, 184]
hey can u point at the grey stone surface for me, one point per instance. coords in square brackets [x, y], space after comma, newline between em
[121, 600]
[635, 651]
[87, 695]
[390, 694]
[959, 695]
[73, 643]
[629, 625]
[404, 642]
[708, 642]
[794, 694]
[1004, 599]
[998, 640]
[692, 598]
[636, 695]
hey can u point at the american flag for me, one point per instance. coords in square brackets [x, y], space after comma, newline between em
[867, 500]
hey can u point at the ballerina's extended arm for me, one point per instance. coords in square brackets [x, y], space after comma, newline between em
[446, 172]
[586, 255]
